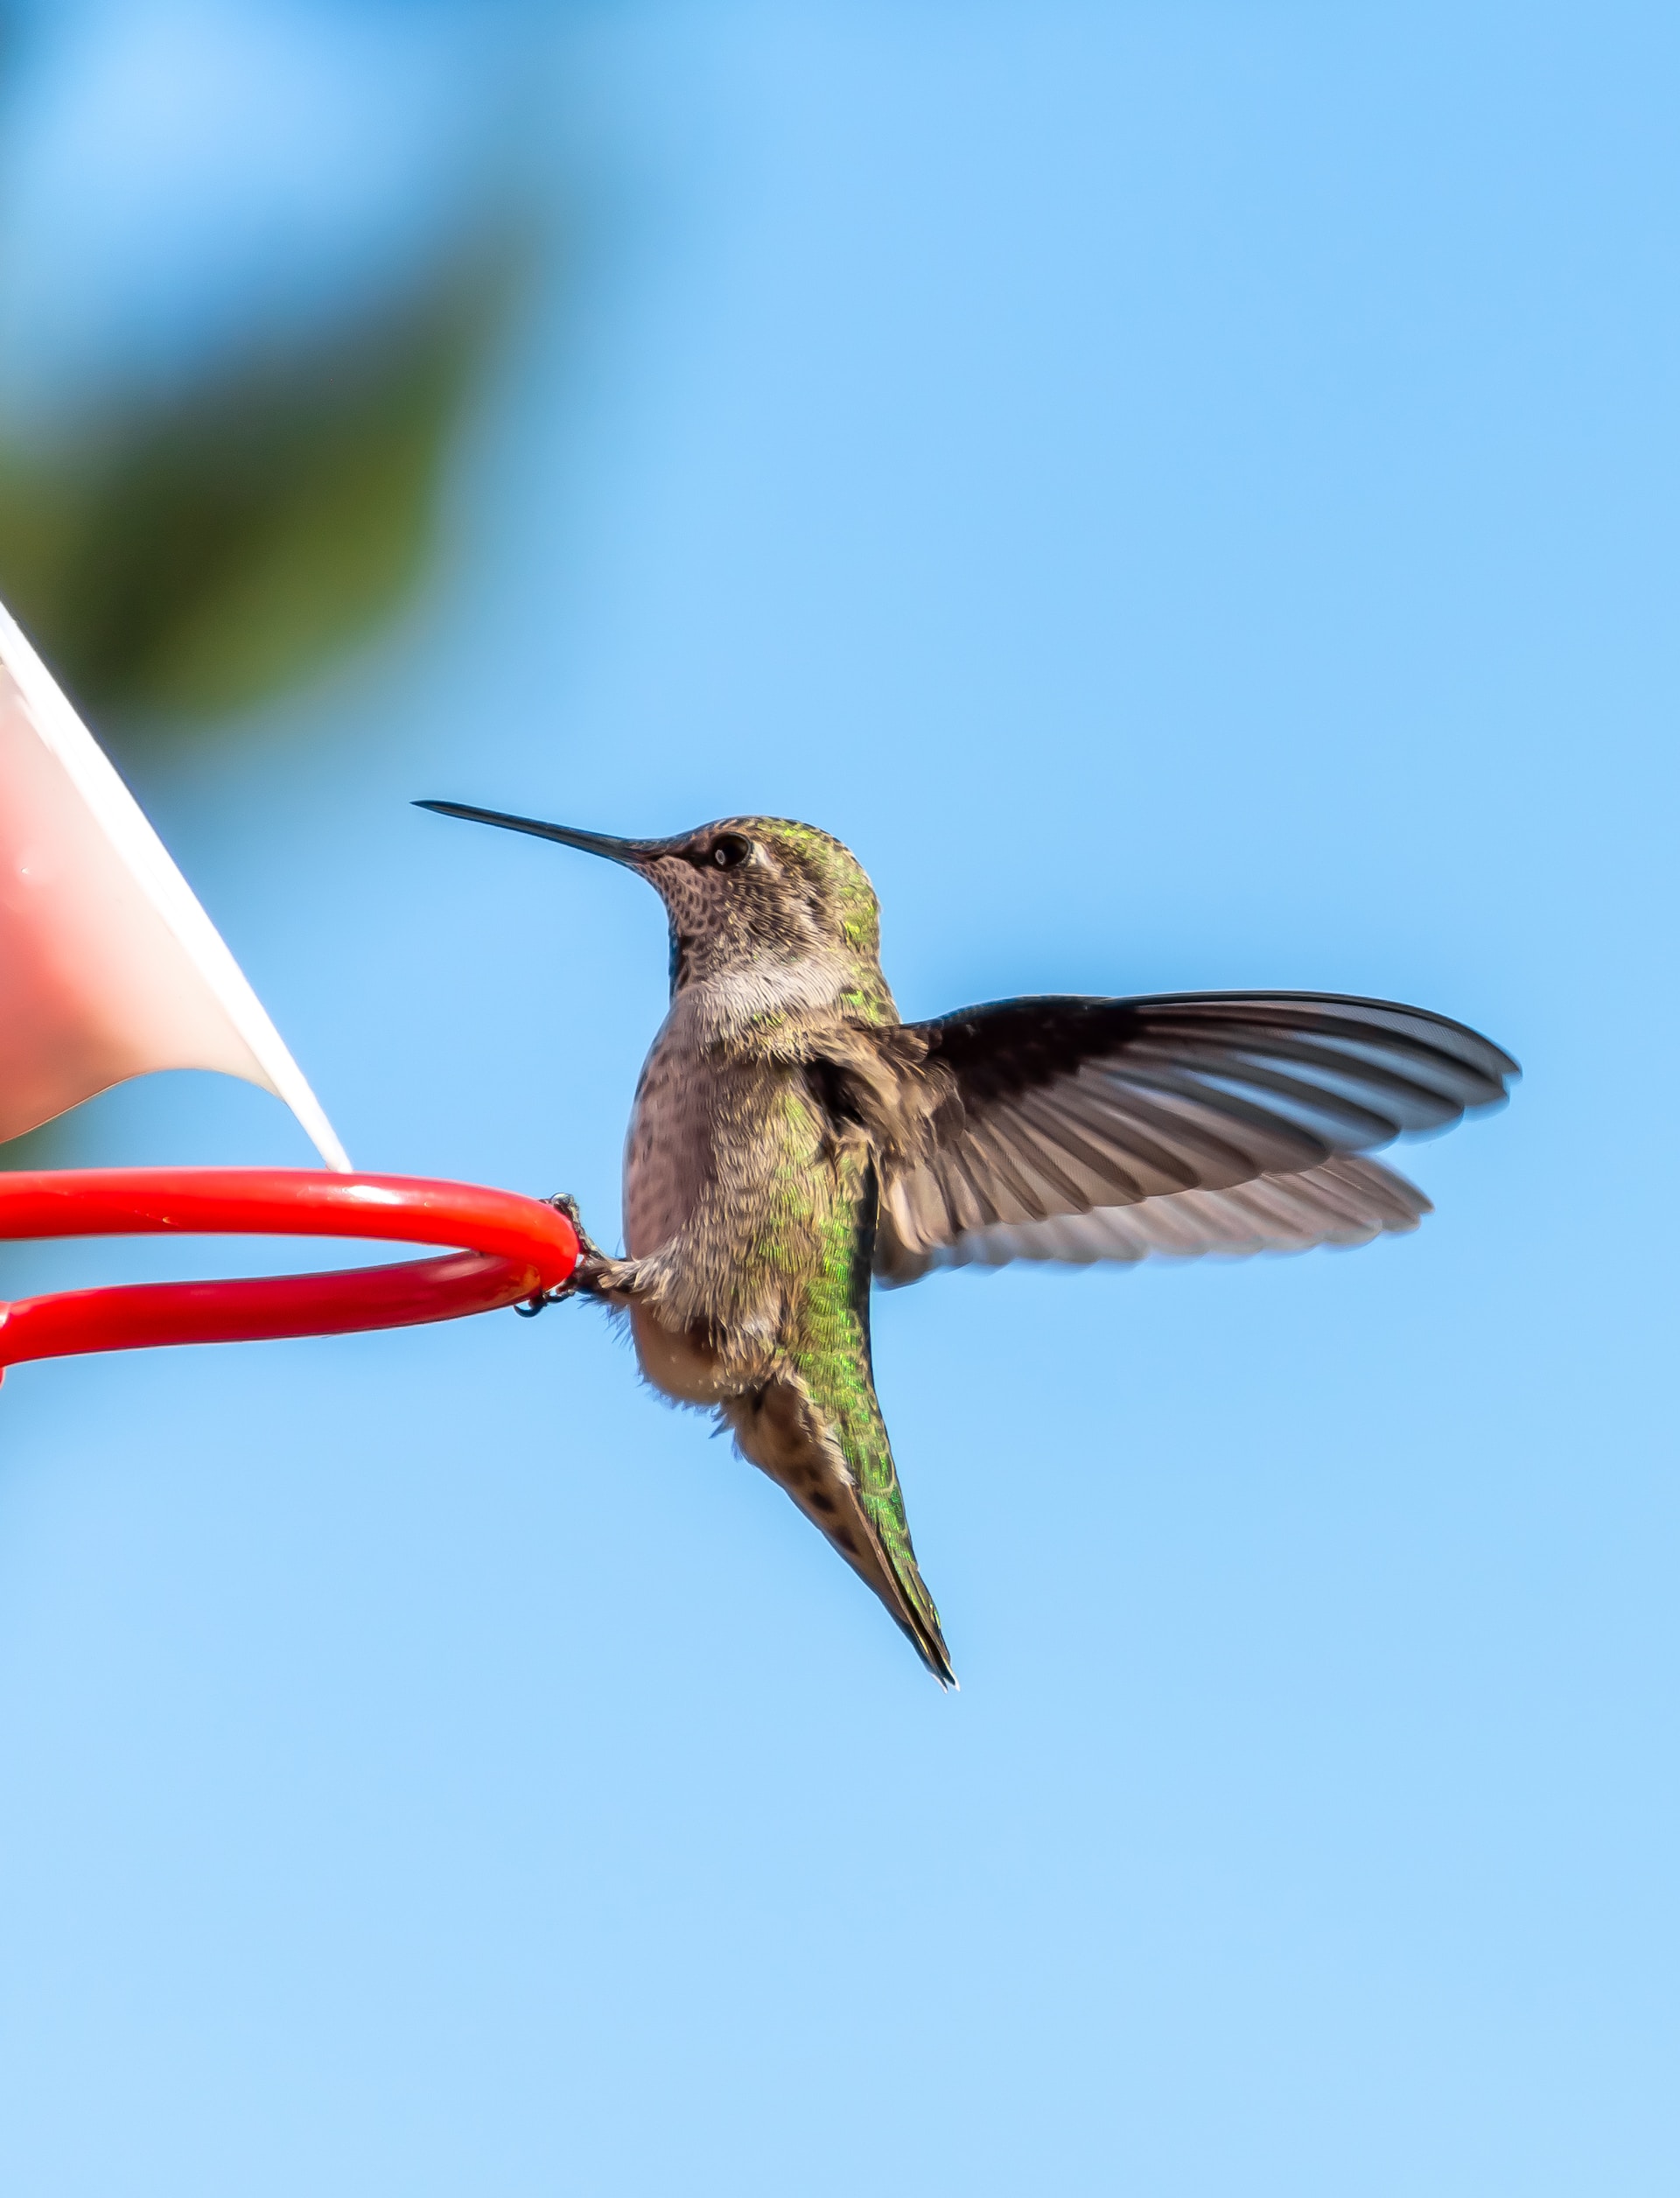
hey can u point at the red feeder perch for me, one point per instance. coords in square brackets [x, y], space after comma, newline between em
[509, 1248]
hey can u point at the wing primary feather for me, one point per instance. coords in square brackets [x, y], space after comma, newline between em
[1178, 1124]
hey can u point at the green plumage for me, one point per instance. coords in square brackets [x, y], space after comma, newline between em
[832, 1355]
[794, 1229]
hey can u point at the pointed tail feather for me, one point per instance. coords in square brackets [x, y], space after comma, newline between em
[842, 1479]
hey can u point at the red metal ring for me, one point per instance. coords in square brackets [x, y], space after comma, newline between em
[510, 1248]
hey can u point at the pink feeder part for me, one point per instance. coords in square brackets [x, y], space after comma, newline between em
[509, 1248]
[109, 966]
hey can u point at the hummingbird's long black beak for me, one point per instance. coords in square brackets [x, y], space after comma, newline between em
[633, 852]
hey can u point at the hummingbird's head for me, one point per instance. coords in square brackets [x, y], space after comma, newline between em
[757, 897]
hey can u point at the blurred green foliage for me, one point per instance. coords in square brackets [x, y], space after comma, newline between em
[186, 559]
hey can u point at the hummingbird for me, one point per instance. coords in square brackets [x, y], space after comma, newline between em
[793, 1142]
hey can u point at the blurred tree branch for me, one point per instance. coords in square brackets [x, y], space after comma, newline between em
[191, 558]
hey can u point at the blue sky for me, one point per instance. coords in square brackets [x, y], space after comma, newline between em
[1188, 494]
[187, 182]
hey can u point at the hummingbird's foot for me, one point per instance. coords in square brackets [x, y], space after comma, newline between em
[593, 1276]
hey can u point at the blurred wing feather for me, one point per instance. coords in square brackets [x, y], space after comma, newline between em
[1190, 1122]
[1347, 1201]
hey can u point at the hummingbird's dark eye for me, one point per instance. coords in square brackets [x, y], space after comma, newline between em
[729, 850]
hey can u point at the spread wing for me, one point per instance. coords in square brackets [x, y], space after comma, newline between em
[1187, 1123]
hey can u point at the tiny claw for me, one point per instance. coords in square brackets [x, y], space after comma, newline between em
[591, 1258]
[539, 1300]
